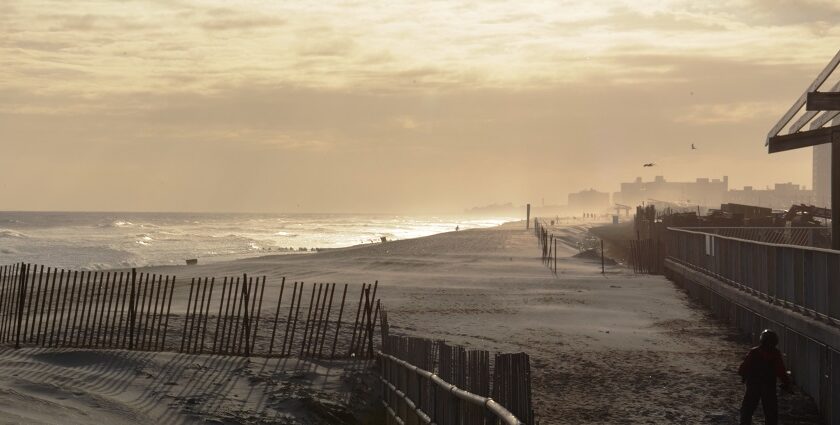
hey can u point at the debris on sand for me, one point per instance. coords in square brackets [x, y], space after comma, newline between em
[593, 254]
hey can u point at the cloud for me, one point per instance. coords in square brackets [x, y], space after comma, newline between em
[423, 96]
[407, 122]
[733, 113]
[241, 23]
[786, 12]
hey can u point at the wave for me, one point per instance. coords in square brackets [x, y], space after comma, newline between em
[119, 224]
[7, 233]
[116, 223]
[286, 234]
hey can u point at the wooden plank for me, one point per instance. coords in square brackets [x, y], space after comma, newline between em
[802, 139]
[308, 316]
[224, 319]
[168, 310]
[47, 303]
[823, 75]
[338, 323]
[289, 319]
[34, 334]
[109, 318]
[198, 310]
[207, 313]
[835, 194]
[219, 316]
[259, 312]
[823, 101]
[294, 324]
[326, 324]
[63, 287]
[186, 316]
[81, 304]
[276, 316]
[823, 119]
[145, 309]
[4, 277]
[5, 307]
[153, 330]
[356, 321]
[809, 115]
[108, 285]
[233, 320]
[21, 302]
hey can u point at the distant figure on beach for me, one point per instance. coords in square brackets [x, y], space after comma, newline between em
[457, 228]
[759, 371]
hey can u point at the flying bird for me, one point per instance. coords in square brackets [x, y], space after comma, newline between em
[649, 164]
[692, 146]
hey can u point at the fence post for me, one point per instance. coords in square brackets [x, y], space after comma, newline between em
[602, 256]
[24, 269]
[131, 311]
[528, 217]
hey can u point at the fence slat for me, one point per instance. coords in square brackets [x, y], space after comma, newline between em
[277, 315]
[116, 309]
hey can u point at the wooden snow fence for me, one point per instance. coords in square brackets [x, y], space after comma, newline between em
[51, 307]
[647, 256]
[432, 382]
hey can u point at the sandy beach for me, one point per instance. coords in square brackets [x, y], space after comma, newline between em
[611, 348]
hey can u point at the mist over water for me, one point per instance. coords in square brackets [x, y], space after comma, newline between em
[111, 240]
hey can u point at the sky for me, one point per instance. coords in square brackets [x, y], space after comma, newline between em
[406, 107]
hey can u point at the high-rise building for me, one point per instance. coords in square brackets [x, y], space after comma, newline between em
[589, 201]
[781, 196]
[822, 175]
[703, 191]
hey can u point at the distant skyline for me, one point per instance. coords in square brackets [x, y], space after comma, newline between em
[415, 107]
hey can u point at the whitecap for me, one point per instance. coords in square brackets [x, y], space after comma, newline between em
[7, 233]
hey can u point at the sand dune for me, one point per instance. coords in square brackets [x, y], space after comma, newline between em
[119, 387]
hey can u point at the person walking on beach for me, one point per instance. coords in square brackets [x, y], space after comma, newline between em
[759, 371]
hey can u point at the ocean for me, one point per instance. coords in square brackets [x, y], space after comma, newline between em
[93, 241]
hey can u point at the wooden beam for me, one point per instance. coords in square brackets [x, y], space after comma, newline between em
[823, 101]
[835, 195]
[803, 139]
[809, 115]
[815, 85]
[823, 119]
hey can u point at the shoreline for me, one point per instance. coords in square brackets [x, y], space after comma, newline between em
[276, 255]
[102, 243]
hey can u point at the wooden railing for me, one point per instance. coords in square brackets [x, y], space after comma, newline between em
[431, 382]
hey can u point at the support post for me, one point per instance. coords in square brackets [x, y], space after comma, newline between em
[24, 269]
[602, 256]
[528, 217]
[835, 195]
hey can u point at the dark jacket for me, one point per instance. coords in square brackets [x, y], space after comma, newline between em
[762, 366]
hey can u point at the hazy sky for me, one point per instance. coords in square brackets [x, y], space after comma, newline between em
[392, 106]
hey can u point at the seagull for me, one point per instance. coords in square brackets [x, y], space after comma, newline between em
[692, 146]
[649, 164]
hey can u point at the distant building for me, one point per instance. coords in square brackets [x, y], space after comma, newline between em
[589, 200]
[821, 173]
[702, 191]
[782, 196]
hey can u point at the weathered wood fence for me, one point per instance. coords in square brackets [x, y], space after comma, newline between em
[548, 245]
[647, 256]
[50, 307]
[432, 382]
